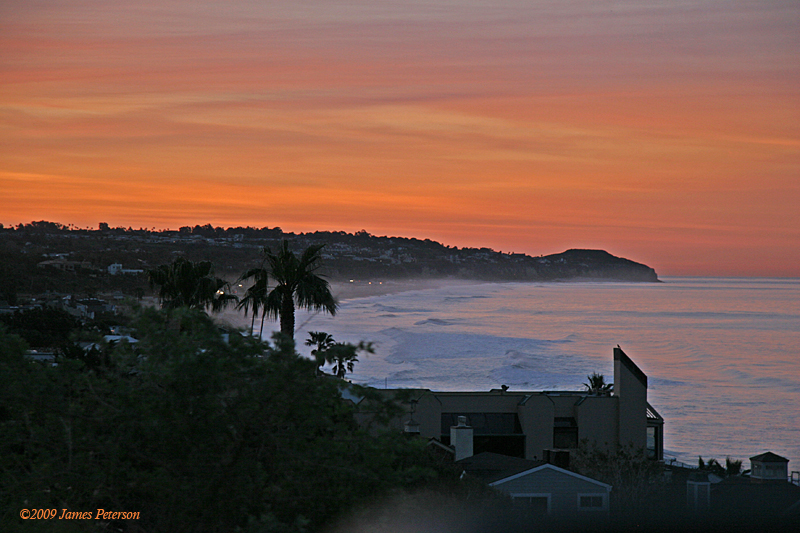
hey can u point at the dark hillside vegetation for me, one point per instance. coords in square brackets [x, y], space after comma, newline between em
[46, 256]
[195, 433]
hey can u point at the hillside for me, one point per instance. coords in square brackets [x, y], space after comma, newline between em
[47, 256]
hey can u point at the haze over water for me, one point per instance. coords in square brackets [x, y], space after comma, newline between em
[722, 355]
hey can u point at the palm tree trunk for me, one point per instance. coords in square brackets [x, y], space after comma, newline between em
[253, 324]
[287, 314]
[261, 331]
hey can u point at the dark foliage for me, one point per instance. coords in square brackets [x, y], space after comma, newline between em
[194, 433]
[42, 327]
[184, 283]
[341, 355]
[634, 477]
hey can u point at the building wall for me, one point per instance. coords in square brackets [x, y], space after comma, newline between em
[769, 471]
[596, 416]
[630, 387]
[603, 420]
[536, 417]
[479, 403]
[429, 416]
[598, 422]
[562, 488]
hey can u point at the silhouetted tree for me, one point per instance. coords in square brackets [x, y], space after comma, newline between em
[633, 476]
[733, 468]
[296, 284]
[713, 466]
[255, 298]
[342, 355]
[184, 283]
[42, 327]
[597, 384]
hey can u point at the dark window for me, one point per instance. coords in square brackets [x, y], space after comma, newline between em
[513, 445]
[591, 502]
[485, 423]
[534, 504]
[492, 432]
[565, 433]
[652, 451]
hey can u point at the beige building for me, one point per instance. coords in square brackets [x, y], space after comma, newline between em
[541, 424]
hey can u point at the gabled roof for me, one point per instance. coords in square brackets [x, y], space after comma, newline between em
[492, 467]
[551, 467]
[769, 457]
[496, 469]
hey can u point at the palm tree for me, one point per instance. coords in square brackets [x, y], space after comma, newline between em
[597, 384]
[296, 284]
[342, 355]
[732, 468]
[184, 283]
[255, 297]
[323, 342]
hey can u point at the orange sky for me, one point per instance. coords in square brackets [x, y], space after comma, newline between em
[666, 131]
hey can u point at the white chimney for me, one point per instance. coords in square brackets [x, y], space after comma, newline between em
[461, 438]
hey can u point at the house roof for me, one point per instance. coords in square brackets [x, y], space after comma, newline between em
[769, 457]
[628, 363]
[652, 414]
[549, 466]
[492, 467]
[496, 469]
[739, 494]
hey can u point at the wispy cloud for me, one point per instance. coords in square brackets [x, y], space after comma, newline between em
[661, 129]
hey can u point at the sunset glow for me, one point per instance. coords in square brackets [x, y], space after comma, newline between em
[667, 132]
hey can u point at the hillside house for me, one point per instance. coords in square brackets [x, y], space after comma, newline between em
[540, 425]
[540, 487]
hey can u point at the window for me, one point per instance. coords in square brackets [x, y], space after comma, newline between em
[485, 423]
[590, 502]
[593, 502]
[535, 503]
[565, 433]
[654, 443]
[492, 432]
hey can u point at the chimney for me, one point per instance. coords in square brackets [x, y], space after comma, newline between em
[461, 438]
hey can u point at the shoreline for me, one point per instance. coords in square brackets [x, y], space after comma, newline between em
[344, 291]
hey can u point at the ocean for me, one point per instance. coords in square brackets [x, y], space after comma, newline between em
[722, 355]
